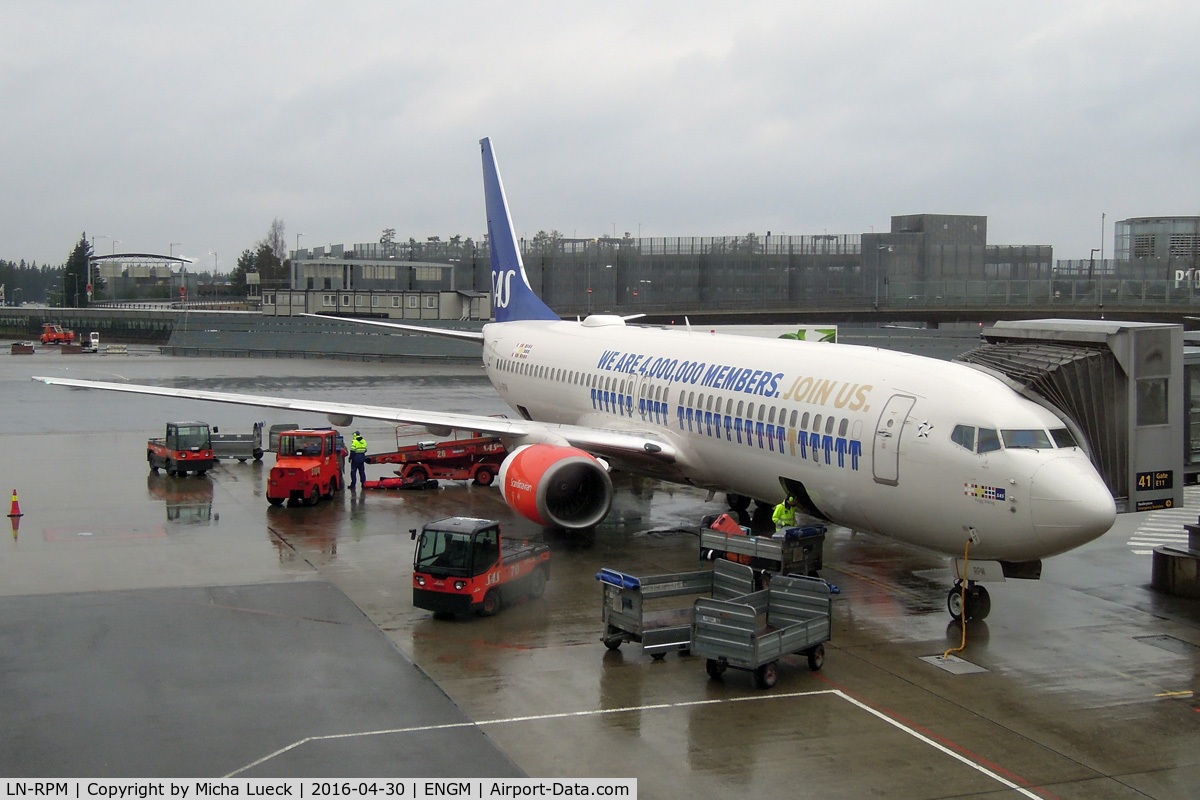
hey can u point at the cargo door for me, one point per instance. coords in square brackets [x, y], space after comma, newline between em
[885, 455]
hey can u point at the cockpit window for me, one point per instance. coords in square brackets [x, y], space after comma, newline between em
[964, 436]
[1063, 438]
[1028, 439]
[989, 440]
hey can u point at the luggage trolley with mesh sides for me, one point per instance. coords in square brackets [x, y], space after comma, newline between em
[792, 615]
[632, 610]
[793, 551]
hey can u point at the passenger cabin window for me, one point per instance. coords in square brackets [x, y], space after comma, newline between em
[1063, 438]
[989, 440]
[1026, 439]
[964, 436]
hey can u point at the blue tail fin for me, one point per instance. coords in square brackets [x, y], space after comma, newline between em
[512, 297]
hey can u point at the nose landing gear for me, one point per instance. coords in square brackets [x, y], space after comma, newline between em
[978, 603]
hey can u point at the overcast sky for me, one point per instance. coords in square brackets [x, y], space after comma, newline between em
[199, 122]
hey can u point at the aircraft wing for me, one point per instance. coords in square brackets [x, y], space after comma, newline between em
[596, 440]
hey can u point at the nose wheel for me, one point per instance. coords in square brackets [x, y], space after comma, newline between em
[978, 601]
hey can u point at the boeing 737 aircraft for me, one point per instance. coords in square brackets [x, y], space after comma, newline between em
[928, 452]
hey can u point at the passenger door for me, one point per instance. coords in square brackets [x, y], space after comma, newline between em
[885, 455]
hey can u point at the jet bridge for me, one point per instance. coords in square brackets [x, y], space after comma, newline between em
[1120, 387]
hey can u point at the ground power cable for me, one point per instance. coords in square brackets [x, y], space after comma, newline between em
[963, 614]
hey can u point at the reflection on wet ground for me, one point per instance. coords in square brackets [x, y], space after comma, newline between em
[1088, 680]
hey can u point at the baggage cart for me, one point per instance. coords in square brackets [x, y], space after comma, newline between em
[242, 446]
[793, 551]
[792, 615]
[632, 611]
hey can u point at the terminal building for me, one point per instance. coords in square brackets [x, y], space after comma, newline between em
[451, 280]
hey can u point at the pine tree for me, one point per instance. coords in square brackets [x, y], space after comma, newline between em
[75, 275]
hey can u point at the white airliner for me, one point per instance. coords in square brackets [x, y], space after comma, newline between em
[928, 452]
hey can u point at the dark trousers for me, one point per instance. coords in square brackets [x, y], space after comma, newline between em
[358, 469]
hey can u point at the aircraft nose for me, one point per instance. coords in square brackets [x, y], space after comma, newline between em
[1071, 504]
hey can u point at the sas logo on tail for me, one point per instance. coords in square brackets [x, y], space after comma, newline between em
[502, 288]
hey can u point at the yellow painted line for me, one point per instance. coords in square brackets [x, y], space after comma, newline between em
[1173, 694]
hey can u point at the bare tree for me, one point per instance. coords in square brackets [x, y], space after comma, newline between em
[277, 240]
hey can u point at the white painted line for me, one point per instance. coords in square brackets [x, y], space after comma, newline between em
[658, 707]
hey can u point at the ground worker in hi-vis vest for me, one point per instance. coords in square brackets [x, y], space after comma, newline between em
[358, 460]
[785, 514]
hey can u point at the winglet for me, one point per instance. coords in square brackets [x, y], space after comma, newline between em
[512, 296]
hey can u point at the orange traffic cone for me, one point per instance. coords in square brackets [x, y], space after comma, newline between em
[16, 507]
[16, 525]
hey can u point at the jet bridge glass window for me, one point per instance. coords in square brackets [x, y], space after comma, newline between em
[1152, 401]
[1063, 438]
[1026, 439]
[964, 436]
[989, 440]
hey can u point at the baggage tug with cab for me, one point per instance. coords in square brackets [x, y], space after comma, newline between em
[187, 447]
[463, 564]
[307, 467]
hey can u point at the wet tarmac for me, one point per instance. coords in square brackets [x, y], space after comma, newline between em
[154, 626]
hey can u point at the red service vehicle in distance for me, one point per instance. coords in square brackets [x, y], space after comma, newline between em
[187, 447]
[308, 466]
[56, 334]
[463, 564]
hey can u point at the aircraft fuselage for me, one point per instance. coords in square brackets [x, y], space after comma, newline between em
[928, 452]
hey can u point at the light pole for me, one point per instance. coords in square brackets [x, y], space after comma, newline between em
[883, 248]
[213, 280]
[296, 265]
[182, 273]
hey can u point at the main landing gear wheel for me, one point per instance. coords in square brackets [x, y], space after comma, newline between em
[978, 602]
